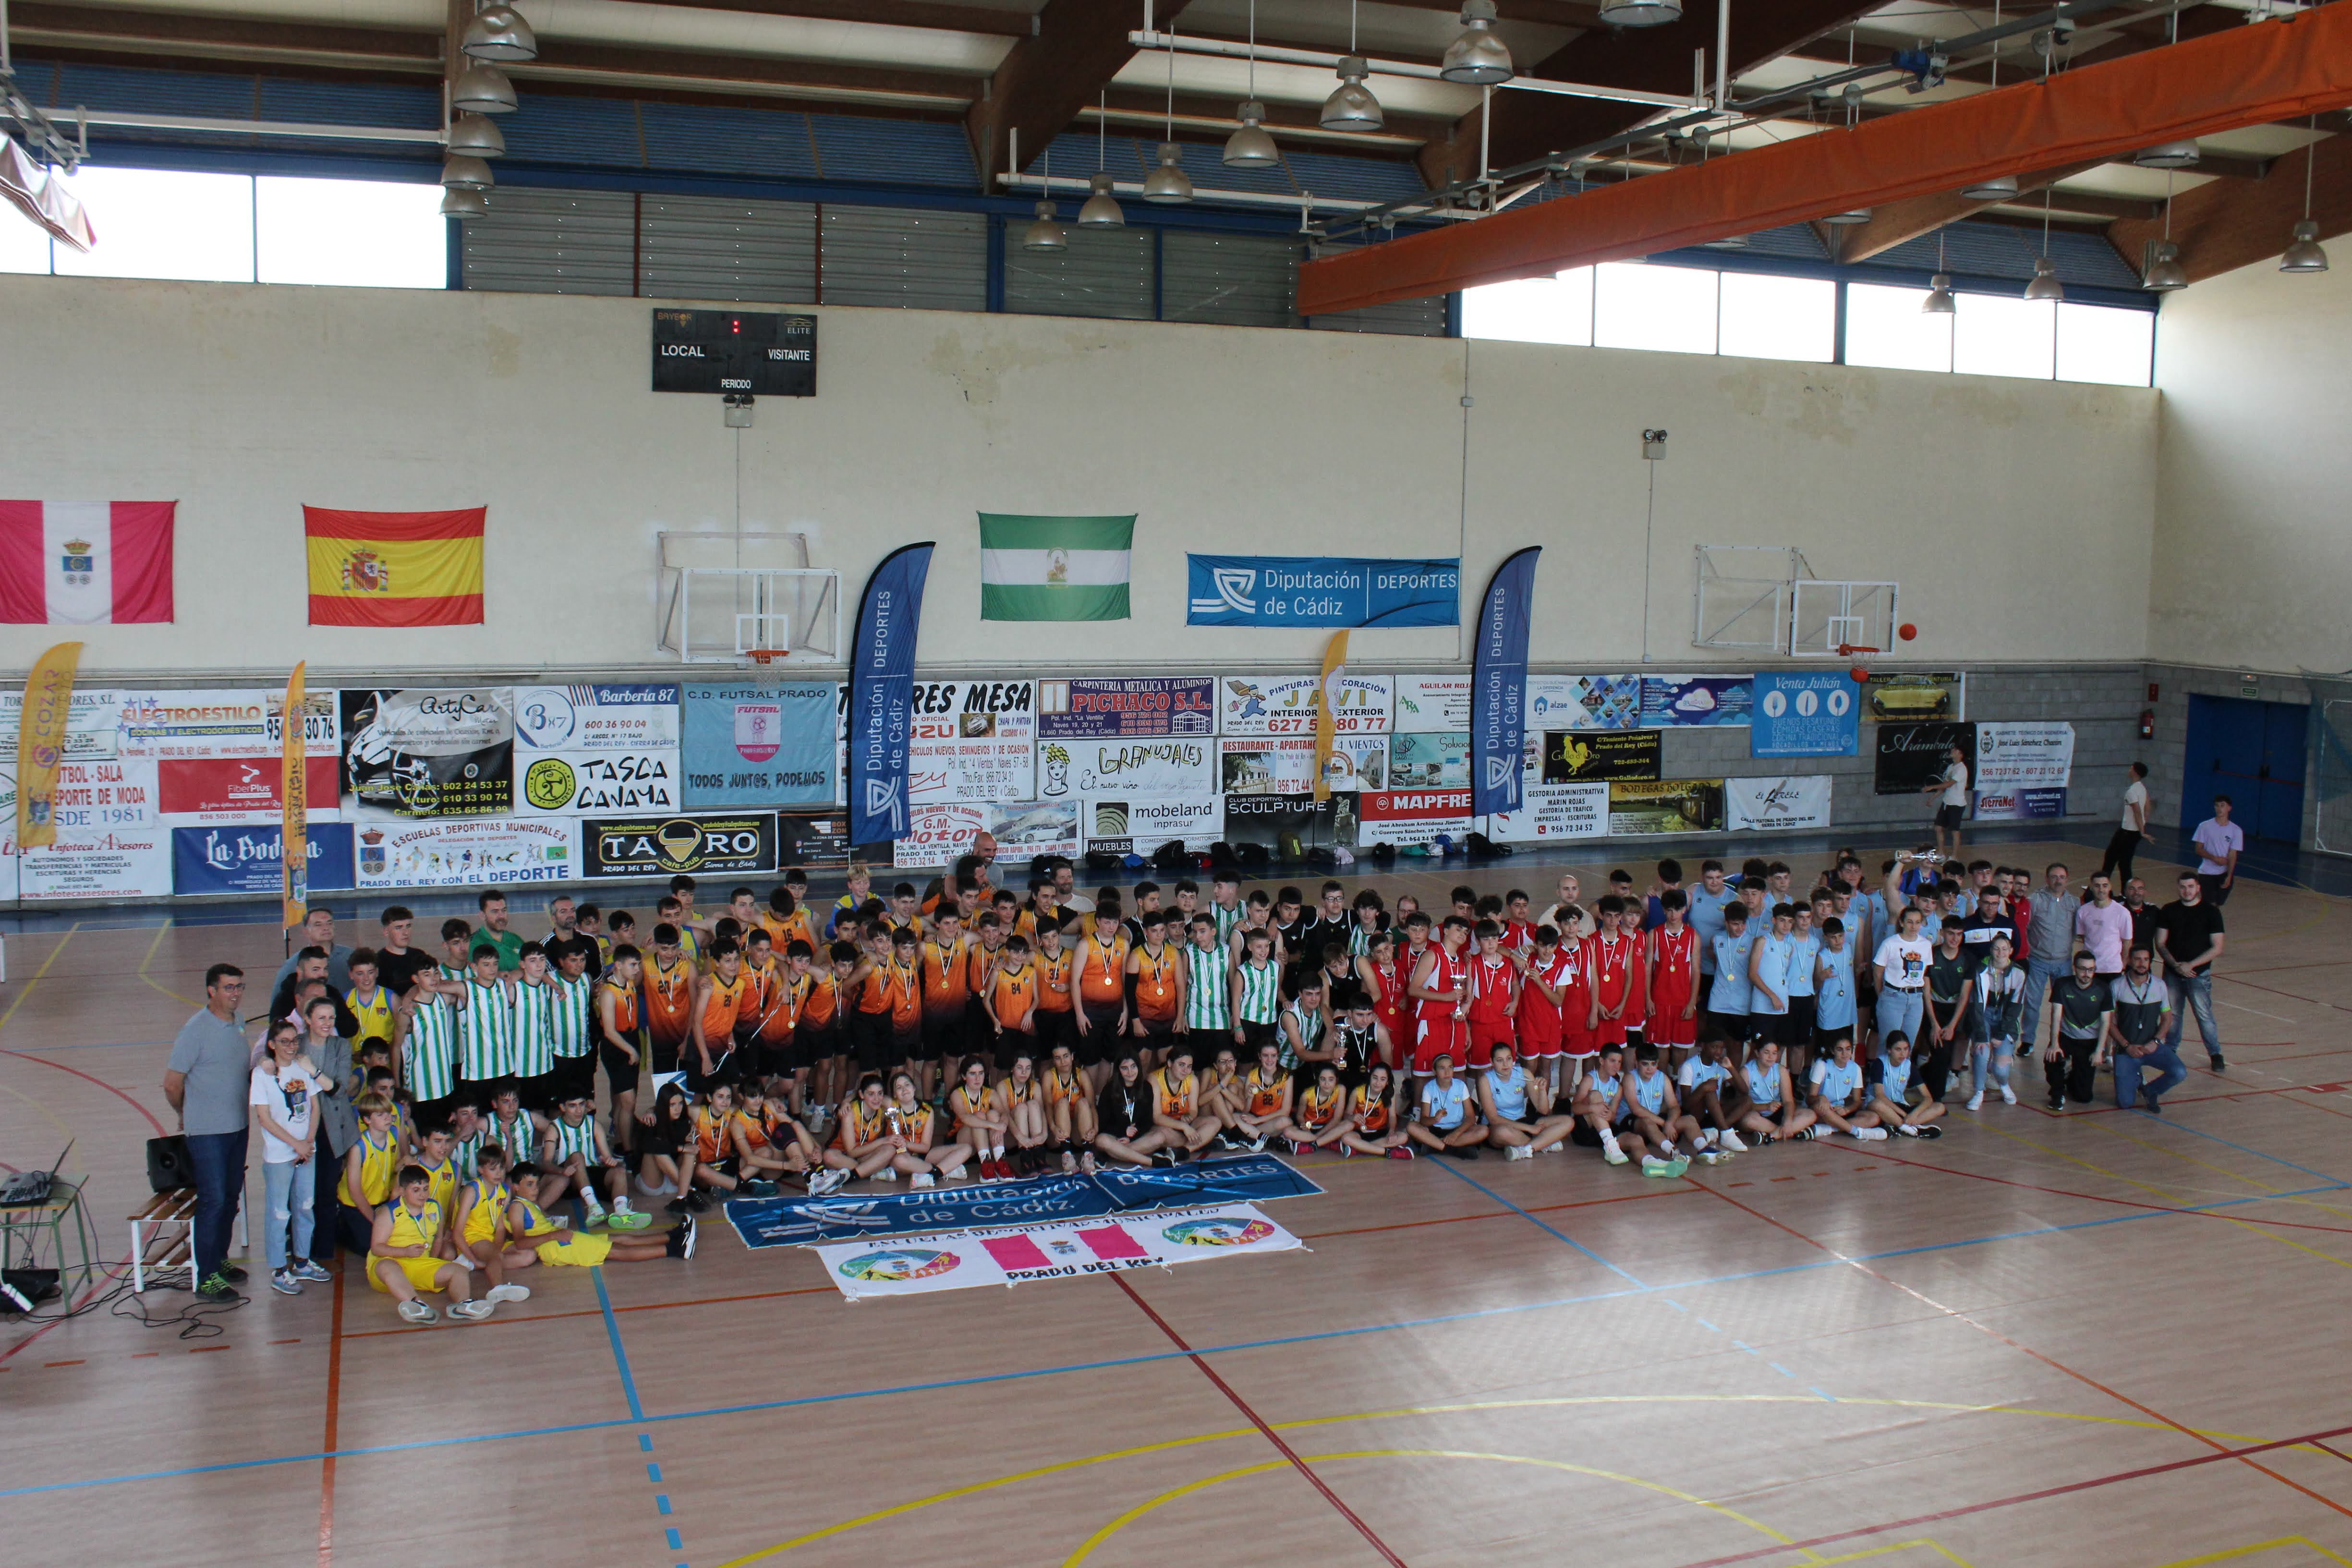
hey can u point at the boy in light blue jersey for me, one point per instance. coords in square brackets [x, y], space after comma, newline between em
[1834, 1006]
[1712, 1095]
[1727, 995]
[1768, 975]
[1805, 951]
[1838, 1098]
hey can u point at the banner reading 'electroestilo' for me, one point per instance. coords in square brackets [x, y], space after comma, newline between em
[1321, 591]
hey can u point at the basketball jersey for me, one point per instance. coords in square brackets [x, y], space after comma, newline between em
[1228, 920]
[709, 1135]
[428, 1051]
[1611, 1093]
[1310, 1033]
[1174, 1102]
[1371, 1115]
[568, 1026]
[1054, 980]
[1359, 940]
[1315, 1113]
[534, 1028]
[1155, 984]
[463, 1151]
[1207, 1003]
[378, 1162]
[1388, 999]
[624, 1009]
[719, 1008]
[821, 1001]
[1261, 997]
[535, 1223]
[669, 1001]
[1673, 958]
[574, 1139]
[1609, 971]
[1650, 1091]
[1763, 1083]
[1060, 1091]
[444, 1177]
[1266, 1090]
[1510, 1093]
[417, 1229]
[1102, 972]
[374, 1014]
[1014, 994]
[966, 1105]
[485, 1032]
[1445, 973]
[947, 977]
[488, 1204]
[519, 1138]
[1492, 982]
[1540, 1016]
[860, 1127]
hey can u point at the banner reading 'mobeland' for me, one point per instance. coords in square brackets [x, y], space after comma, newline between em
[1500, 684]
[882, 694]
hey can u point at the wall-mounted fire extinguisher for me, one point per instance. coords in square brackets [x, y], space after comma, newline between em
[2147, 723]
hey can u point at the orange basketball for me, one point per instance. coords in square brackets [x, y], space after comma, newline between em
[1907, 631]
[1860, 674]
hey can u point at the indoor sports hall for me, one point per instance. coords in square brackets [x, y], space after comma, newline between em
[1099, 781]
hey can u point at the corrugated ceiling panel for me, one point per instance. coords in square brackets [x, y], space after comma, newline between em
[350, 104]
[1239, 280]
[1354, 179]
[893, 152]
[770, 142]
[598, 131]
[897, 257]
[1423, 318]
[220, 97]
[708, 247]
[1105, 272]
[554, 242]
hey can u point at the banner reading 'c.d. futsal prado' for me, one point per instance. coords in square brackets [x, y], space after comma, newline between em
[882, 694]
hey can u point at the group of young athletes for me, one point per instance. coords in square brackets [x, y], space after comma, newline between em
[963, 1030]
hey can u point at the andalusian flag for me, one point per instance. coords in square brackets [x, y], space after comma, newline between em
[395, 568]
[1053, 568]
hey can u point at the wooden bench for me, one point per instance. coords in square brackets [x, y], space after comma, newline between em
[167, 1227]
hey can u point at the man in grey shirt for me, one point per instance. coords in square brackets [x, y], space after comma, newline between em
[2048, 918]
[317, 930]
[207, 1080]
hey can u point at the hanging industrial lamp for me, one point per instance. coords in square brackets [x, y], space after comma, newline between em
[2166, 155]
[1167, 183]
[1250, 147]
[482, 90]
[476, 137]
[1351, 106]
[1848, 219]
[1102, 209]
[461, 171]
[1640, 13]
[2045, 284]
[1999, 188]
[460, 203]
[1477, 58]
[499, 33]
[1045, 233]
[2164, 272]
[1938, 301]
[2306, 255]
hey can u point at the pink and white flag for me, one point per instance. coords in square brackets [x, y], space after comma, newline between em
[85, 563]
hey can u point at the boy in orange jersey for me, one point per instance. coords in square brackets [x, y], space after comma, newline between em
[820, 1045]
[1155, 973]
[944, 960]
[985, 954]
[889, 993]
[669, 987]
[764, 1024]
[1101, 964]
[1011, 1000]
[718, 998]
[620, 1036]
[1056, 1002]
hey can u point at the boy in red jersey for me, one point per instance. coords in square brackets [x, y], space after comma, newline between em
[1439, 990]
[1672, 966]
[1494, 1002]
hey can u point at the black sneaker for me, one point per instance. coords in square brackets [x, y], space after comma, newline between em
[2025, 1052]
[2217, 1063]
[1463, 1151]
[1933, 1130]
[676, 1206]
[698, 1203]
[2153, 1108]
[2057, 1102]
[217, 1288]
[232, 1273]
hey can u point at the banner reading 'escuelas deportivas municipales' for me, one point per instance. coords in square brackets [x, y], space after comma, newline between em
[1053, 568]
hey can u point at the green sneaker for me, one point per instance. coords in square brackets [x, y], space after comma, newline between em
[217, 1288]
[1653, 1166]
[1678, 1164]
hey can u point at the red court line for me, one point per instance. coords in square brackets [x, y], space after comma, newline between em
[1499, 1214]
[2095, 1198]
[2292, 996]
[2048, 1361]
[1258, 1421]
[334, 1412]
[2308, 1440]
[2048, 1114]
[99, 1081]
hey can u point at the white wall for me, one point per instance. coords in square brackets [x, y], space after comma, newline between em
[2016, 514]
[2252, 553]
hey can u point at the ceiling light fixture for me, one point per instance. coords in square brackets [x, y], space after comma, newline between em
[2305, 255]
[2045, 284]
[462, 172]
[455, 203]
[1938, 301]
[1167, 183]
[2164, 272]
[1045, 233]
[499, 33]
[1102, 209]
[482, 90]
[1477, 57]
[1848, 219]
[1640, 13]
[476, 136]
[1999, 188]
[1351, 106]
[1250, 147]
[2166, 155]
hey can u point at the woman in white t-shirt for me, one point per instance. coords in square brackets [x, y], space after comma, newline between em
[1902, 964]
[284, 1085]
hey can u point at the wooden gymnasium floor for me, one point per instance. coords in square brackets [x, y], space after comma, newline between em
[2097, 1339]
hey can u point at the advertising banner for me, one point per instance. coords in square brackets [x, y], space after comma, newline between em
[1910, 697]
[45, 712]
[963, 1260]
[1171, 767]
[94, 796]
[1553, 812]
[819, 838]
[2020, 805]
[1271, 819]
[466, 852]
[1584, 702]
[1805, 713]
[1670, 701]
[1320, 591]
[427, 753]
[1667, 805]
[882, 695]
[294, 815]
[1134, 825]
[1775, 804]
[1581, 756]
[941, 830]
[758, 744]
[103, 863]
[973, 740]
[1912, 756]
[1405, 817]
[1286, 705]
[1432, 703]
[1498, 684]
[1144, 705]
[2011, 756]
[245, 859]
[1430, 760]
[223, 724]
[581, 749]
[93, 725]
[715, 844]
[1267, 764]
[567, 783]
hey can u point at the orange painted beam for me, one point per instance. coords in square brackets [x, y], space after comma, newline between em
[2247, 76]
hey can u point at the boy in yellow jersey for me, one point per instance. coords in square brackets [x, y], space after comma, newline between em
[481, 1222]
[433, 1147]
[1070, 1108]
[717, 999]
[410, 1250]
[1155, 975]
[369, 1002]
[369, 1171]
[532, 1238]
[861, 887]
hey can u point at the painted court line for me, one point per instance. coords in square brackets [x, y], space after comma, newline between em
[1621, 1273]
[670, 1535]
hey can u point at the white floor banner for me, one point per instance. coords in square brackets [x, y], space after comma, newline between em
[1776, 803]
[961, 1259]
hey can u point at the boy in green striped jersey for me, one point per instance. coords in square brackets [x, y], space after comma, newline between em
[1257, 992]
[424, 1033]
[1225, 904]
[534, 1002]
[1208, 988]
[575, 1040]
[486, 1028]
[572, 1152]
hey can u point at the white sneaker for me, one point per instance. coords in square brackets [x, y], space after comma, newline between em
[2008, 1095]
[1907, 1130]
[471, 1312]
[1730, 1140]
[416, 1311]
[1519, 1151]
[921, 1179]
[1613, 1155]
[953, 1172]
[827, 1180]
[621, 1203]
[886, 1174]
[1870, 1134]
[509, 1293]
[1709, 1156]
[1976, 1100]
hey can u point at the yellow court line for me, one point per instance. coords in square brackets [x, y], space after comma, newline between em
[46, 1114]
[1086, 1461]
[1087, 1547]
[1937, 1547]
[2103, 1126]
[38, 973]
[2237, 1552]
[150, 979]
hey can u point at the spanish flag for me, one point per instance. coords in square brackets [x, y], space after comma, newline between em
[395, 568]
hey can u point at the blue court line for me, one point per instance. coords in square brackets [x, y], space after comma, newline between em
[1539, 1224]
[613, 1333]
[1440, 1320]
[2243, 1149]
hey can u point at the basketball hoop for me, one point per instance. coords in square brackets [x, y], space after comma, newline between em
[1861, 673]
[764, 657]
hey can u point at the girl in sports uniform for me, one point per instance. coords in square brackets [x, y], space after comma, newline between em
[979, 1121]
[1021, 1098]
[1265, 1101]
[710, 1158]
[1069, 1108]
[1320, 1119]
[1373, 1126]
[863, 1141]
[1775, 1110]
[1176, 1107]
[914, 1126]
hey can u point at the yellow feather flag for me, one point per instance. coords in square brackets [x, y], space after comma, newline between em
[41, 743]
[294, 826]
[1327, 708]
